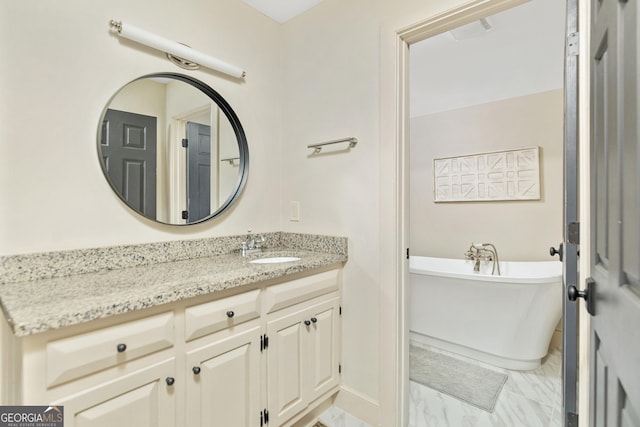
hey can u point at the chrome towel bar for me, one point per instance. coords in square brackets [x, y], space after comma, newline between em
[230, 160]
[318, 147]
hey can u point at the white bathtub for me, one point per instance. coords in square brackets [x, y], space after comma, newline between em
[505, 320]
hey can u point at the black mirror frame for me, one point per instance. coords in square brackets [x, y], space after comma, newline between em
[243, 148]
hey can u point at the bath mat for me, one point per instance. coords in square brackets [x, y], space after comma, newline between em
[470, 383]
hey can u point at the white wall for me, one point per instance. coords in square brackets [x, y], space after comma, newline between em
[330, 92]
[521, 230]
[65, 66]
[339, 81]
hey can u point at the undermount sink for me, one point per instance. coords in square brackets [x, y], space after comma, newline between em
[275, 259]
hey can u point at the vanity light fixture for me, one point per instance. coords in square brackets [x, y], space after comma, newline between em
[178, 53]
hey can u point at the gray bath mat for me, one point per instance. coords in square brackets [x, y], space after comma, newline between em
[470, 383]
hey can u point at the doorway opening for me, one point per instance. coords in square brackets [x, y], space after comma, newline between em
[478, 92]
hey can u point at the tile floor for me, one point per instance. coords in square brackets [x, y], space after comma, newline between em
[528, 399]
[336, 417]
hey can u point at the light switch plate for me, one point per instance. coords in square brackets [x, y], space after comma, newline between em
[294, 211]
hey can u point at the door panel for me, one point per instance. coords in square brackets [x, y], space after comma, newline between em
[140, 399]
[323, 350]
[199, 171]
[630, 417]
[615, 257]
[226, 389]
[137, 407]
[286, 366]
[630, 118]
[128, 148]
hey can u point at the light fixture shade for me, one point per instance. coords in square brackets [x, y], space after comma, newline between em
[171, 47]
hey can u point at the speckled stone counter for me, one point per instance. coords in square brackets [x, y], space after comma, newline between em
[84, 285]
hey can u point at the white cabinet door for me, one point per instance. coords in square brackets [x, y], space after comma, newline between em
[223, 382]
[140, 399]
[302, 358]
[324, 348]
[287, 361]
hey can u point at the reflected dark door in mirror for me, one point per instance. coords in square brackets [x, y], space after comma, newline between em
[140, 145]
[129, 156]
[199, 170]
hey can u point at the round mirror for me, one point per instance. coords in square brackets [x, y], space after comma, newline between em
[173, 149]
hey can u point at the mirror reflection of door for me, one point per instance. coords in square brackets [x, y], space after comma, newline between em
[160, 187]
[129, 156]
[198, 171]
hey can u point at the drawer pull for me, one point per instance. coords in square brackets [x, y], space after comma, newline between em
[314, 320]
[170, 381]
[307, 322]
[196, 370]
[230, 314]
[121, 348]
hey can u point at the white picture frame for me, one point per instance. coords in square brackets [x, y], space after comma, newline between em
[492, 176]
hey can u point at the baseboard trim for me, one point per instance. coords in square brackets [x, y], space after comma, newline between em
[358, 405]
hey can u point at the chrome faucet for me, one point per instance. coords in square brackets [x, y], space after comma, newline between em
[253, 244]
[483, 252]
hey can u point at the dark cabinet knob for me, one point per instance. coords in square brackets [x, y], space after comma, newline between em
[170, 381]
[196, 370]
[230, 314]
[314, 320]
[121, 348]
[307, 322]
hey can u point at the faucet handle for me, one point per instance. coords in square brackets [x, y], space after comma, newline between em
[259, 240]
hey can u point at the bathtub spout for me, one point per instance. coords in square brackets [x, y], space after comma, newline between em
[483, 252]
[475, 254]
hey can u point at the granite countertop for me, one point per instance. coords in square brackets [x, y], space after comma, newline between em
[35, 306]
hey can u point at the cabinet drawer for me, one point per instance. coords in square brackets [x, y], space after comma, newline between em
[295, 291]
[80, 355]
[214, 316]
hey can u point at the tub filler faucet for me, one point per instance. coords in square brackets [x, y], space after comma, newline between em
[483, 252]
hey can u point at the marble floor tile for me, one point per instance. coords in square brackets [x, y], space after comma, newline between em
[429, 408]
[557, 415]
[528, 399]
[336, 417]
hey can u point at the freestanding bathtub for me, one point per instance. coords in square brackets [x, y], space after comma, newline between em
[505, 320]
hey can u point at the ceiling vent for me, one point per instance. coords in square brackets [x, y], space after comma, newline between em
[472, 30]
[282, 10]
